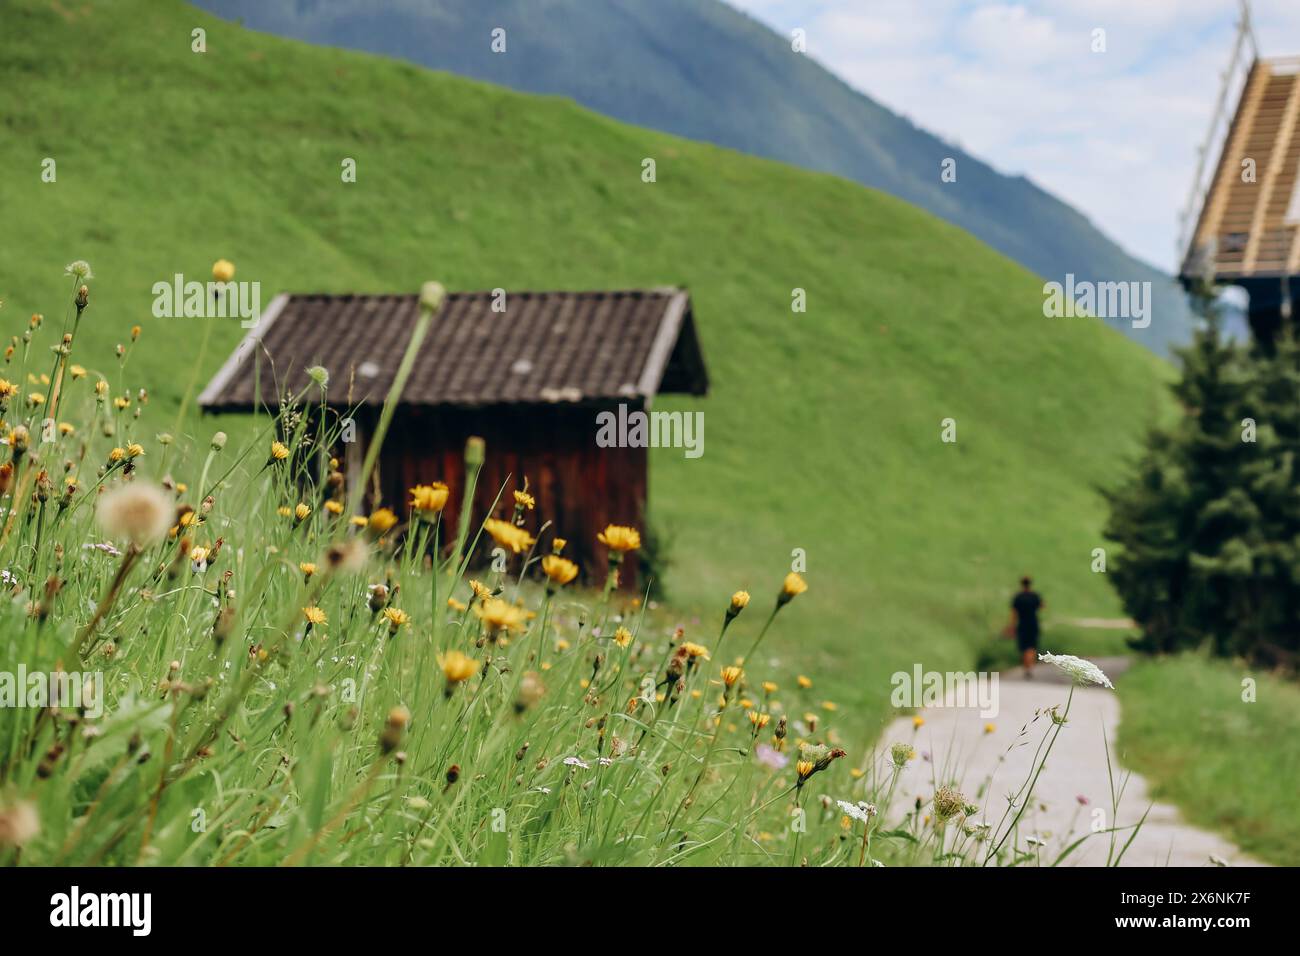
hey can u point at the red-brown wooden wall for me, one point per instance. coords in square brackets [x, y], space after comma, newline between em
[579, 487]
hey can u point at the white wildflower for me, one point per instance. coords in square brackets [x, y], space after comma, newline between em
[79, 269]
[1079, 670]
[576, 762]
[860, 811]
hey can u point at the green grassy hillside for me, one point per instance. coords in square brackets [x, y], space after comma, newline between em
[722, 77]
[823, 428]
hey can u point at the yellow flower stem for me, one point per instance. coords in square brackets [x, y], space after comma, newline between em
[390, 406]
[106, 602]
[433, 579]
[55, 393]
[465, 516]
[704, 768]
[761, 634]
[794, 849]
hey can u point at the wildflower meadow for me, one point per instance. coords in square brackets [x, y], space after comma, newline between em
[237, 663]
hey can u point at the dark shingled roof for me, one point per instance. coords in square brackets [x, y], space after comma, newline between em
[546, 347]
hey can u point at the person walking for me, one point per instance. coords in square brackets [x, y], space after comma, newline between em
[1025, 606]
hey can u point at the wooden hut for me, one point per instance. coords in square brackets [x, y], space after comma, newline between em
[526, 371]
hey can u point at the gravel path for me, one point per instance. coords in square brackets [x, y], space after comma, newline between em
[991, 765]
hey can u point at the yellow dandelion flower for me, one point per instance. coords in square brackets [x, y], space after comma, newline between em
[66, 428]
[560, 570]
[524, 500]
[284, 511]
[395, 618]
[456, 606]
[989, 728]
[314, 615]
[622, 636]
[769, 687]
[500, 615]
[77, 371]
[620, 539]
[279, 451]
[301, 511]
[803, 681]
[134, 450]
[381, 522]
[791, 588]
[358, 521]
[334, 507]
[457, 667]
[429, 499]
[917, 721]
[307, 568]
[696, 650]
[731, 675]
[509, 536]
[759, 719]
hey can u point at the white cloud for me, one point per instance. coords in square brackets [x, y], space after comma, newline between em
[1016, 83]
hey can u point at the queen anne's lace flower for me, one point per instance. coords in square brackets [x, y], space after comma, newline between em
[862, 812]
[1080, 671]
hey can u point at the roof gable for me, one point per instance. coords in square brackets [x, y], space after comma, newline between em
[544, 347]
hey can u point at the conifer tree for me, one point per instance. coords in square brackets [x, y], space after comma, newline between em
[1184, 519]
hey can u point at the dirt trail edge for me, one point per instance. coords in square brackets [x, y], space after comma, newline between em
[992, 757]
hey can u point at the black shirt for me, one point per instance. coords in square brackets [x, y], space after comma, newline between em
[1026, 605]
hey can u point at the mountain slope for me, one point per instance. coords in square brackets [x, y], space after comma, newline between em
[822, 428]
[701, 69]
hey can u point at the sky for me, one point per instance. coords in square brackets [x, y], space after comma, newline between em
[1018, 84]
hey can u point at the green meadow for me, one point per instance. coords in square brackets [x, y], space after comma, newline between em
[823, 426]
[822, 443]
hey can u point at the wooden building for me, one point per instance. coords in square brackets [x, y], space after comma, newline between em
[528, 372]
[1242, 227]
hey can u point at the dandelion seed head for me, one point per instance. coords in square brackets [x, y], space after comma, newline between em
[138, 512]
